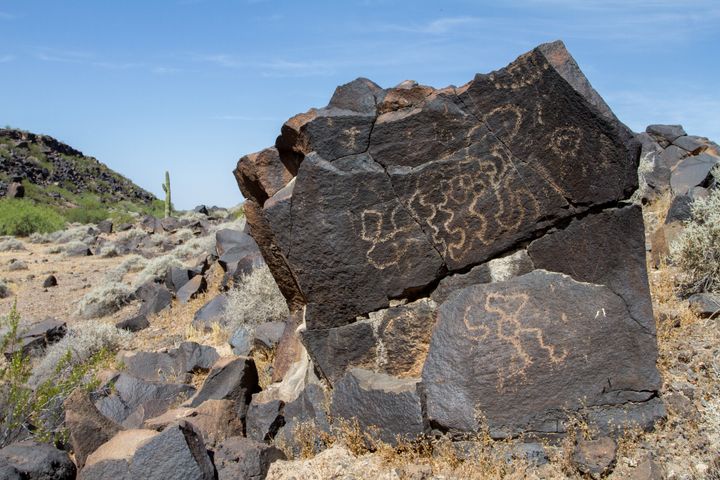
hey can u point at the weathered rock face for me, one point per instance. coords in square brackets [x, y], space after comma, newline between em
[389, 216]
[525, 351]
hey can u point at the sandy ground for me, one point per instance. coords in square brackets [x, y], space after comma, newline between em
[76, 276]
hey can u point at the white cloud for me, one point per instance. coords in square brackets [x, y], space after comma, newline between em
[6, 58]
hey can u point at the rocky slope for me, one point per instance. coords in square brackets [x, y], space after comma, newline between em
[59, 172]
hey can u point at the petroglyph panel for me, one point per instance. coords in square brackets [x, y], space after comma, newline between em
[526, 351]
[366, 246]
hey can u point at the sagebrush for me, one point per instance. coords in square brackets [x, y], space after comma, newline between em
[697, 250]
[105, 300]
[256, 300]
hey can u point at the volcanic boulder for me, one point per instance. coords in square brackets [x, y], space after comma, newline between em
[391, 220]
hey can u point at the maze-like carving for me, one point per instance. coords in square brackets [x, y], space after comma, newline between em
[512, 313]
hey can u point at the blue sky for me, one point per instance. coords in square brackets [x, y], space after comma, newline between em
[191, 85]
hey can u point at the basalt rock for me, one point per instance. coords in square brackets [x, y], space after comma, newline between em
[389, 216]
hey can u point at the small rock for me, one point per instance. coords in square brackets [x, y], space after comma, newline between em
[88, 428]
[667, 132]
[680, 405]
[202, 209]
[79, 250]
[230, 379]
[176, 277]
[241, 341]
[169, 365]
[210, 313]
[191, 289]
[34, 341]
[134, 324]
[106, 226]
[705, 305]
[264, 417]
[50, 281]
[38, 461]
[239, 457]
[216, 420]
[680, 209]
[268, 334]
[595, 457]
[646, 469]
[155, 298]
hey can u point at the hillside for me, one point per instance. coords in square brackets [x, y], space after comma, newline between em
[60, 176]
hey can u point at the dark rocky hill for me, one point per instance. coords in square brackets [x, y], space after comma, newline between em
[55, 172]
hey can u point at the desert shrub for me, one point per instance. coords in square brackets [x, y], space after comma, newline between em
[11, 244]
[16, 265]
[89, 210]
[133, 263]
[74, 244]
[82, 340]
[697, 250]
[184, 234]
[105, 300]
[75, 233]
[23, 217]
[255, 300]
[194, 247]
[32, 404]
[156, 268]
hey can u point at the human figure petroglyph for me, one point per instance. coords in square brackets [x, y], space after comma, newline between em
[352, 134]
[512, 314]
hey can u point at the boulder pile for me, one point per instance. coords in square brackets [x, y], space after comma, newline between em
[463, 257]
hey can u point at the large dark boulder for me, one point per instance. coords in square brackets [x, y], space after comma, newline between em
[178, 452]
[170, 365]
[379, 213]
[36, 461]
[378, 401]
[132, 400]
[526, 351]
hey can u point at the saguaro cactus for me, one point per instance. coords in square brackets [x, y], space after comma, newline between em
[168, 199]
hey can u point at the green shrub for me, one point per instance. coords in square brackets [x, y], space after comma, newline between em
[36, 409]
[23, 217]
[89, 210]
[697, 250]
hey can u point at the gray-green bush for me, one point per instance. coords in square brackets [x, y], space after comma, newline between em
[697, 250]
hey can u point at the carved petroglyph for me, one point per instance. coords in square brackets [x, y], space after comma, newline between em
[352, 134]
[565, 141]
[511, 315]
[519, 74]
[389, 242]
